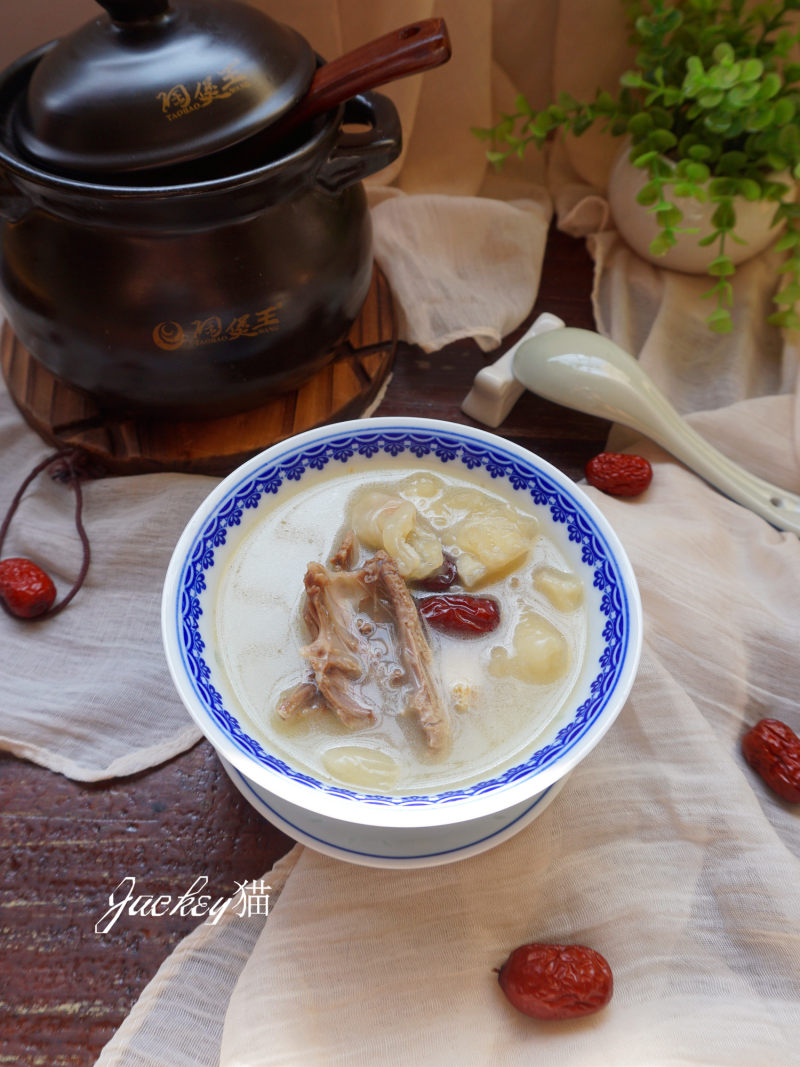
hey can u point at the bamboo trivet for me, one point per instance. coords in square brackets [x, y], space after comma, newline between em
[342, 389]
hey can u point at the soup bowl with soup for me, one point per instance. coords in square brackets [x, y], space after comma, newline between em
[400, 635]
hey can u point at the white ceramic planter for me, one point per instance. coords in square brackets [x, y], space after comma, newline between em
[639, 226]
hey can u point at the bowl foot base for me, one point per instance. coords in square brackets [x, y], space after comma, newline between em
[373, 847]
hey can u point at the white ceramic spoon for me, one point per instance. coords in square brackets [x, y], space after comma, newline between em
[585, 371]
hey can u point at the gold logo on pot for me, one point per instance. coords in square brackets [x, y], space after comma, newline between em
[168, 335]
[180, 100]
[209, 331]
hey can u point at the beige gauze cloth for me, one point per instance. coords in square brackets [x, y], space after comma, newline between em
[663, 851]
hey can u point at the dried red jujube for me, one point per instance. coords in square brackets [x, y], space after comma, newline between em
[619, 474]
[773, 750]
[460, 614]
[25, 589]
[442, 578]
[556, 981]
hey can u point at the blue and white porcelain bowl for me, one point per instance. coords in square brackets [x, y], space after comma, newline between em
[392, 829]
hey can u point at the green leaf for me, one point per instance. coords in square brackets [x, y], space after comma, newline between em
[668, 216]
[581, 124]
[648, 194]
[788, 296]
[661, 168]
[721, 187]
[789, 141]
[721, 267]
[724, 217]
[683, 190]
[741, 96]
[633, 80]
[731, 162]
[605, 103]
[541, 125]
[725, 77]
[788, 240]
[788, 320]
[784, 111]
[646, 28]
[720, 321]
[640, 125]
[699, 152]
[497, 158]
[752, 69]
[749, 189]
[662, 118]
[697, 172]
[660, 245]
[671, 20]
[672, 96]
[723, 53]
[770, 86]
[662, 140]
[718, 122]
[710, 98]
[760, 118]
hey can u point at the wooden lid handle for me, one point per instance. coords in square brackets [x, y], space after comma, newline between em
[410, 50]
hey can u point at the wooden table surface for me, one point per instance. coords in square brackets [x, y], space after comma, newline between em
[64, 845]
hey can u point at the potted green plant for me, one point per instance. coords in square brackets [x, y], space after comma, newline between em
[712, 110]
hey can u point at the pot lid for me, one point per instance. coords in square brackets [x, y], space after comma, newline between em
[151, 83]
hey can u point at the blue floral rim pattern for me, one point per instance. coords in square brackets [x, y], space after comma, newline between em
[420, 443]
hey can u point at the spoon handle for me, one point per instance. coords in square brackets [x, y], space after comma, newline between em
[587, 372]
[666, 427]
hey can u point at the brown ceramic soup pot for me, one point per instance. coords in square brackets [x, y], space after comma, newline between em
[196, 292]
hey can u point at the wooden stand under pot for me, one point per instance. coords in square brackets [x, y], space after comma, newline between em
[346, 387]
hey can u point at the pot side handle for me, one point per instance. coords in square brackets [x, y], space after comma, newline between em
[359, 153]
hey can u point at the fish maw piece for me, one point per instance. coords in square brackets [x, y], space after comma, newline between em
[488, 545]
[540, 654]
[394, 525]
[338, 653]
[426, 701]
[563, 589]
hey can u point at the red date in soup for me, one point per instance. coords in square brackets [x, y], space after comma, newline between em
[460, 614]
[442, 578]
